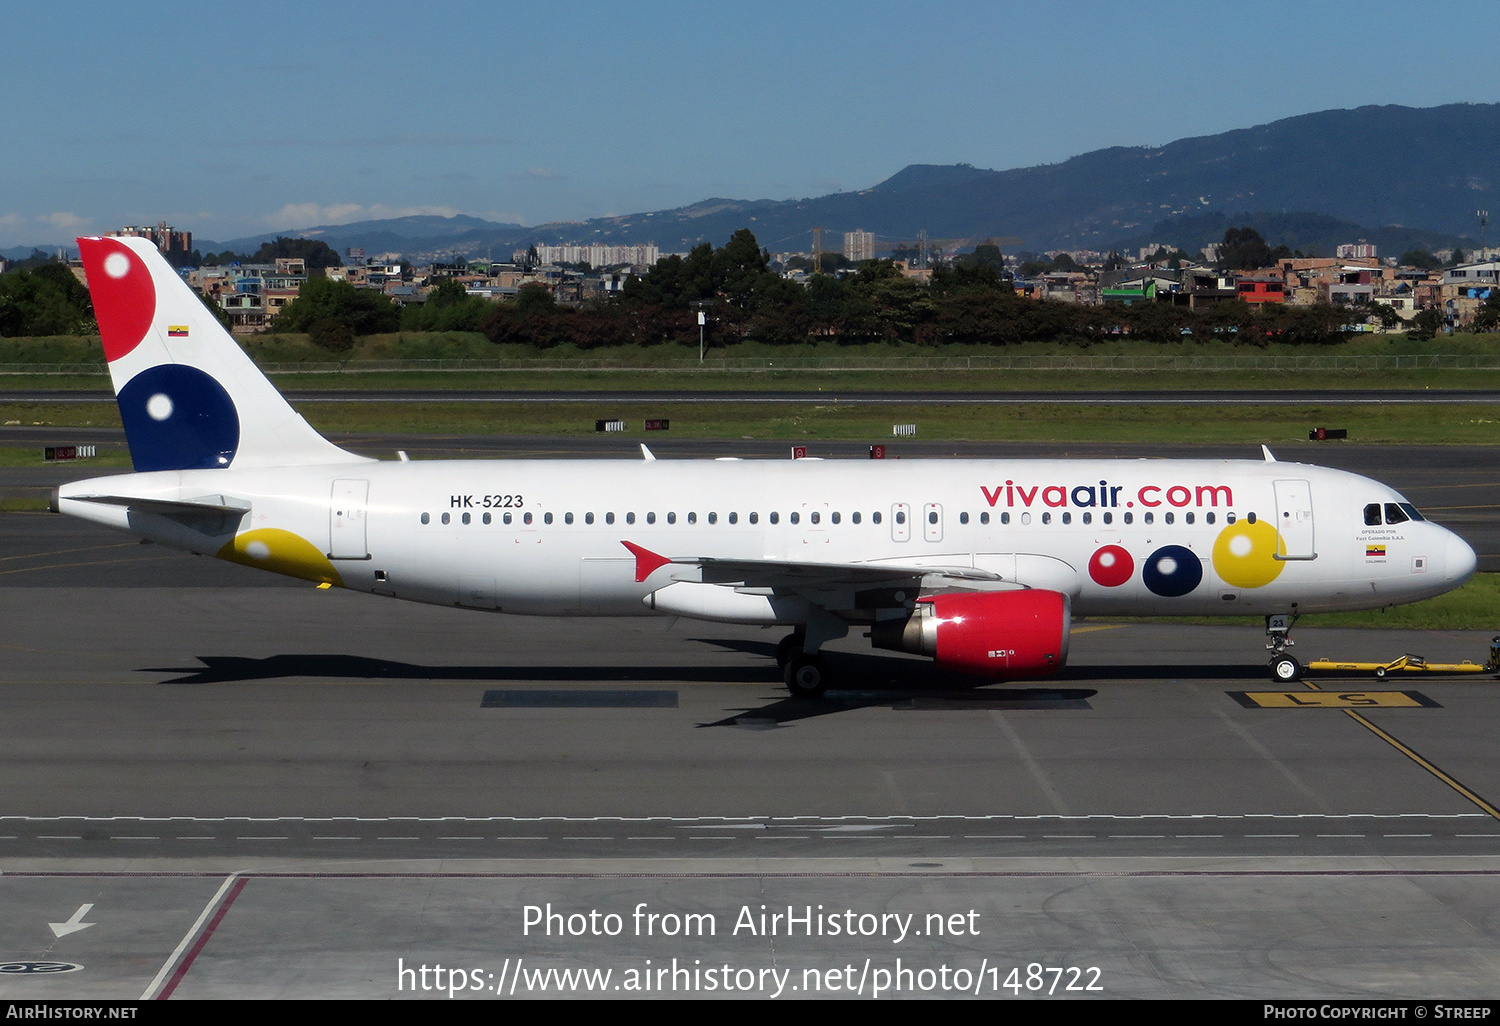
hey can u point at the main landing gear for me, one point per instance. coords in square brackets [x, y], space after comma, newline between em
[805, 674]
[1284, 666]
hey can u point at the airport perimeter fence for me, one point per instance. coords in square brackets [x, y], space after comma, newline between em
[1061, 362]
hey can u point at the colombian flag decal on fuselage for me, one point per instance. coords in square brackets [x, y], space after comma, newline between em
[177, 331]
[1375, 550]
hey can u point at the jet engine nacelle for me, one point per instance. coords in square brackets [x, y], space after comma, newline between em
[1000, 633]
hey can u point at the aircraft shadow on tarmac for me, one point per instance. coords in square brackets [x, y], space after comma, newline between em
[869, 681]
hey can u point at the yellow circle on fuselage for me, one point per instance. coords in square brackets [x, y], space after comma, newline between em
[1245, 554]
[281, 552]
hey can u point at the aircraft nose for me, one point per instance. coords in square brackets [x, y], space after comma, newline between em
[1460, 561]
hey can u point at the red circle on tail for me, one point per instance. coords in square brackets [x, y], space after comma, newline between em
[124, 296]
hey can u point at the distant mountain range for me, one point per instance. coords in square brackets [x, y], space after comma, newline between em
[1401, 177]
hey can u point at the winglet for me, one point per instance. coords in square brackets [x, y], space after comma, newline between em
[647, 454]
[1266, 452]
[646, 561]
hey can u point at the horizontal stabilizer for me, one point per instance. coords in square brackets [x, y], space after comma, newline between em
[219, 505]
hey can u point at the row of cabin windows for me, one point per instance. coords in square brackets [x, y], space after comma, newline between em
[1087, 517]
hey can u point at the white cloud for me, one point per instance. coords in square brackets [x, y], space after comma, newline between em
[304, 215]
[41, 229]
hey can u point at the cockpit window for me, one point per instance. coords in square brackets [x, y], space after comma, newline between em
[1394, 513]
[1411, 511]
[1372, 515]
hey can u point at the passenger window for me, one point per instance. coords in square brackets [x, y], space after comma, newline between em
[734, 518]
[650, 518]
[854, 517]
[1109, 518]
[609, 518]
[630, 518]
[465, 518]
[671, 518]
[814, 517]
[1249, 518]
[1394, 514]
[426, 518]
[1067, 518]
[775, 518]
[875, 517]
[1169, 517]
[796, 518]
[713, 518]
[1046, 518]
[588, 518]
[447, 519]
[1149, 518]
[900, 516]
[755, 518]
[507, 518]
[1189, 518]
[486, 518]
[546, 518]
[526, 518]
[835, 518]
[692, 518]
[1228, 518]
[1088, 518]
[932, 516]
[1372, 515]
[963, 518]
[1208, 517]
[1025, 518]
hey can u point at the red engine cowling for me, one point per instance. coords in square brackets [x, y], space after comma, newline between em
[1013, 634]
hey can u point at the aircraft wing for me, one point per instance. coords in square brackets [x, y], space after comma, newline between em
[715, 588]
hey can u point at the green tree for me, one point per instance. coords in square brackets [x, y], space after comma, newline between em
[1426, 324]
[1244, 249]
[365, 311]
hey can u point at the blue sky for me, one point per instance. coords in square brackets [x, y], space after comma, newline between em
[232, 120]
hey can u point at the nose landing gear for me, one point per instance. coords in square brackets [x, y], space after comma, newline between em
[1284, 666]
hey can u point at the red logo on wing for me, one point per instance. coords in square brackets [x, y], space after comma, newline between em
[646, 561]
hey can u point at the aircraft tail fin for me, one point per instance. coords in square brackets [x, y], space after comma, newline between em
[189, 396]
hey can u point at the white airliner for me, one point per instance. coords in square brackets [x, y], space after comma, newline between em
[980, 564]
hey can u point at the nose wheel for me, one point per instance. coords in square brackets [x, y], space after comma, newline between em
[1285, 669]
[1284, 666]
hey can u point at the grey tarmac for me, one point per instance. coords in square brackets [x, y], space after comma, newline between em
[395, 784]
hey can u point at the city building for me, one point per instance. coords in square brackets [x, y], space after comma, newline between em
[176, 246]
[859, 246]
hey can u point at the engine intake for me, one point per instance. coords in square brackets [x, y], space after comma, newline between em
[1013, 634]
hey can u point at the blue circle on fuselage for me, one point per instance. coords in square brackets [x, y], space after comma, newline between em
[1172, 571]
[178, 418]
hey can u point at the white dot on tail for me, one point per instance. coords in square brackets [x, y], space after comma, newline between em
[1106, 559]
[258, 550]
[1166, 567]
[117, 265]
[1240, 546]
[159, 406]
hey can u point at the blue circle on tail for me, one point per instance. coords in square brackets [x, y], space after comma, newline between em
[178, 418]
[1172, 571]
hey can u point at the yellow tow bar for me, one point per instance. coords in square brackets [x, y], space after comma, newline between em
[1414, 664]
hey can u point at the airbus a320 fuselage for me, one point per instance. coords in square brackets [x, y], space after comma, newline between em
[980, 564]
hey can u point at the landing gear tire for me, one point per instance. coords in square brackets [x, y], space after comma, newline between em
[788, 647]
[1285, 669]
[1380, 672]
[806, 675]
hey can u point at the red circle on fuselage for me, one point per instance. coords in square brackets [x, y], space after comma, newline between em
[124, 296]
[1111, 566]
